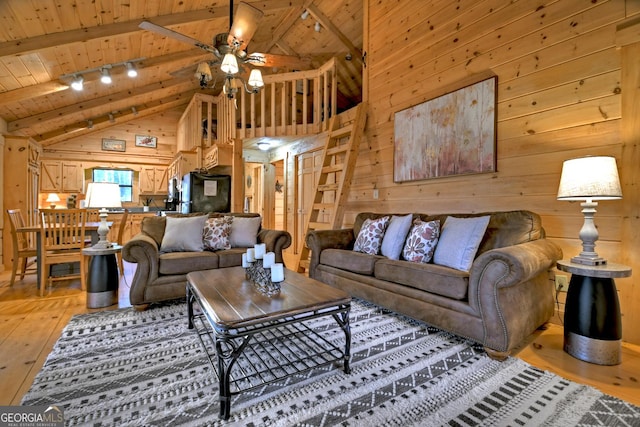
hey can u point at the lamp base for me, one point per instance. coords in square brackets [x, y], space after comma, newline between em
[588, 260]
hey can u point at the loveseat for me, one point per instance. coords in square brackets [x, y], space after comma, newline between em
[501, 298]
[167, 248]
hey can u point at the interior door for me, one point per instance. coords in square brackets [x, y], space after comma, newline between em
[308, 167]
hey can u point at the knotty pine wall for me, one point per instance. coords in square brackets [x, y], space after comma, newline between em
[559, 69]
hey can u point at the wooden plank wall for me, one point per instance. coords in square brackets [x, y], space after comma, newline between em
[559, 97]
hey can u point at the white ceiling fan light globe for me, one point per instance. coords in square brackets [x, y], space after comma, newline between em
[255, 79]
[229, 64]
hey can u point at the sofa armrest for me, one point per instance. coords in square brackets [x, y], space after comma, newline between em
[142, 250]
[511, 289]
[319, 240]
[275, 241]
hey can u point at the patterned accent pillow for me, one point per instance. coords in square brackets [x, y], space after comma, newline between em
[370, 236]
[216, 233]
[421, 241]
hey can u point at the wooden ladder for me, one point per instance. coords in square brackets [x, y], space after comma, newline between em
[332, 187]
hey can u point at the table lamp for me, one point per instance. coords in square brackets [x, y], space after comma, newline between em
[589, 179]
[103, 195]
[52, 199]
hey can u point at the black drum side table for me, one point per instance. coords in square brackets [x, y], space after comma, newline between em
[103, 278]
[592, 323]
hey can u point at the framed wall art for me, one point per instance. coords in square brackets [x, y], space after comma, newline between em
[109, 144]
[146, 141]
[453, 134]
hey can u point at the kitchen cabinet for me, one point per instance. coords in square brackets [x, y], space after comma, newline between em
[61, 177]
[153, 180]
[183, 163]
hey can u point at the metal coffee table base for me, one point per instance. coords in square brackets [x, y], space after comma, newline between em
[246, 358]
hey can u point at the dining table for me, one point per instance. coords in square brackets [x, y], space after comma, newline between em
[90, 229]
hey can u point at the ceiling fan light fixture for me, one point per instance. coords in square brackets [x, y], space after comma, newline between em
[131, 70]
[255, 79]
[77, 83]
[229, 64]
[105, 77]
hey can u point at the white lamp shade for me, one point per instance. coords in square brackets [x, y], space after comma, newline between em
[255, 78]
[590, 178]
[203, 71]
[103, 195]
[229, 64]
[53, 198]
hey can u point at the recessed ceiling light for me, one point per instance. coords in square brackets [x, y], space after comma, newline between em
[264, 145]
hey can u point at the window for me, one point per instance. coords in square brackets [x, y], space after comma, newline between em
[122, 177]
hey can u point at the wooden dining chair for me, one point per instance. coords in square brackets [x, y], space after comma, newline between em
[119, 241]
[24, 246]
[62, 233]
[93, 215]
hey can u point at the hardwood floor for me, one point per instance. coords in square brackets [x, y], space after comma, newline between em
[30, 325]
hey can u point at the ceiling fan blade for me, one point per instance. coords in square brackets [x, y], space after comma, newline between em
[271, 60]
[244, 26]
[146, 25]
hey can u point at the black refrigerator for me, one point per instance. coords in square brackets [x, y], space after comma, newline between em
[205, 193]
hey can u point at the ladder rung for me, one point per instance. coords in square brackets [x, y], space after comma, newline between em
[333, 168]
[328, 187]
[319, 226]
[337, 149]
[343, 131]
[320, 206]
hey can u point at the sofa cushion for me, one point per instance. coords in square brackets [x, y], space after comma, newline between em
[459, 241]
[215, 235]
[422, 240]
[231, 257]
[186, 262]
[370, 237]
[431, 278]
[356, 262]
[244, 231]
[394, 237]
[183, 234]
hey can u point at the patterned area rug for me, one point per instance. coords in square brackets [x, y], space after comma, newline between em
[125, 368]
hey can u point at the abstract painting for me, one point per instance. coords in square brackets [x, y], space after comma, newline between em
[454, 134]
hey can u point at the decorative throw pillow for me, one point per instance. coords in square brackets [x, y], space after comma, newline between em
[216, 233]
[370, 236]
[395, 235]
[183, 234]
[459, 241]
[422, 241]
[244, 231]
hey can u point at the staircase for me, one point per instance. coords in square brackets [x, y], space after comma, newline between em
[332, 188]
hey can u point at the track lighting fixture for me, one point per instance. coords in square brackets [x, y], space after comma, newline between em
[131, 70]
[304, 15]
[134, 111]
[77, 83]
[111, 118]
[317, 27]
[89, 124]
[105, 77]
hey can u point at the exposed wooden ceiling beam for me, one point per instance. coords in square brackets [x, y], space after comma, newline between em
[97, 103]
[46, 88]
[327, 24]
[101, 123]
[20, 47]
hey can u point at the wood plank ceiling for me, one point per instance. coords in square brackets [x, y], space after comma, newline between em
[44, 42]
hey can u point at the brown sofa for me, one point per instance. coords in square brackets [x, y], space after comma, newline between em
[162, 276]
[506, 295]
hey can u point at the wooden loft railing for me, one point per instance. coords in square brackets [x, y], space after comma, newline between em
[297, 103]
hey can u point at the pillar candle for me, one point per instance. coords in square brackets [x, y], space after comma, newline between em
[251, 255]
[277, 272]
[269, 259]
[245, 263]
[260, 249]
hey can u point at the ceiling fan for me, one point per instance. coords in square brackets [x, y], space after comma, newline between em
[229, 49]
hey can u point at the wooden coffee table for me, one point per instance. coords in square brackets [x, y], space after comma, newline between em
[252, 339]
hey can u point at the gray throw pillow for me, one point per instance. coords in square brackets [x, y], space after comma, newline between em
[183, 234]
[459, 241]
[244, 231]
[394, 237]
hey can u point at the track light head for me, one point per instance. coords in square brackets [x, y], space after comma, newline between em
[131, 70]
[77, 83]
[105, 77]
[304, 15]
[317, 27]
